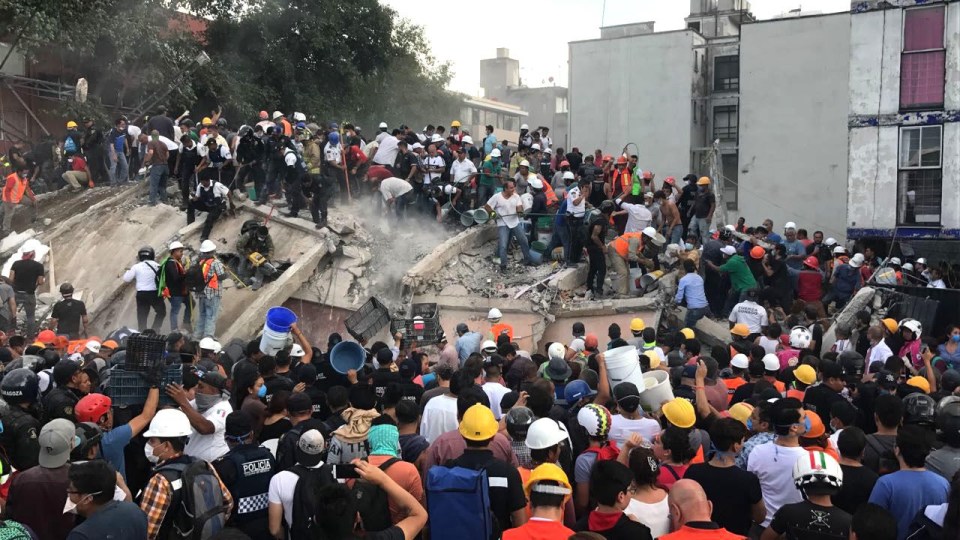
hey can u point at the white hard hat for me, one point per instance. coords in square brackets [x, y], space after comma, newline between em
[830, 241]
[449, 189]
[495, 152]
[839, 250]
[730, 227]
[524, 126]
[210, 344]
[536, 183]
[297, 351]
[817, 469]
[207, 246]
[912, 325]
[175, 245]
[467, 139]
[921, 260]
[544, 433]
[556, 350]
[489, 346]
[649, 231]
[740, 361]
[93, 346]
[908, 267]
[790, 225]
[771, 362]
[494, 314]
[299, 117]
[525, 163]
[534, 146]
[895, 260]
[800, 337]
[857, 260]
[436, 137]
[168, 423]
[277, 114]
[568, 175]
[383, 124]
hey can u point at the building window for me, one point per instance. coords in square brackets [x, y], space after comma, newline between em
[562, 105]
[922, 63]
[919, 178]
[725, 123]
[695, 25]
[726, 73]
[731, 173]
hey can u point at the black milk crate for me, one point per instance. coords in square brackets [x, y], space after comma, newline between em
[128, 388]
[144, 352]
[365, 322]
[423, 326]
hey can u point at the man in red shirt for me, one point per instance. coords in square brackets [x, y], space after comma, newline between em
[77, 174]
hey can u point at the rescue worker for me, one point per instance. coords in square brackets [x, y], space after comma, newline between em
[146, 272]
[174, 287]
[210, 197]
[246, 471]
[69, 316]
[293, 169]
[316, 184]
[208, 301]
[496, 327]
[26, 275]
[619, 253]
[91, 142]
[72, 384]
[256, 240]
[17, 184]
[597, 249]
[20, 389]
[250, 156]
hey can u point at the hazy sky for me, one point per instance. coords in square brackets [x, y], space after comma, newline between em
[537, 32]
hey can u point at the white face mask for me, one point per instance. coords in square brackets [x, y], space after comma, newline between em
[69, 507]
[148, 451]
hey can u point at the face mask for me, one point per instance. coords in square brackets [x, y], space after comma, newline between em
[205, 401]
[955, 338]
[749, 424]
[148, 451]
[69, 507]
[262, 392]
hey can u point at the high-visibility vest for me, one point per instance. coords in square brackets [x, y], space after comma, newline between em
[622, 243]
[732, 385]
[212, 282]
[794, 393]
[501, 328]
[14, 189]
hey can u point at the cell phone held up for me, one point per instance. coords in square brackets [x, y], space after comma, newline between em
[345, 471]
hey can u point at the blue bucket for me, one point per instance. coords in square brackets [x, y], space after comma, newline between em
[280, 319]
[347, 355]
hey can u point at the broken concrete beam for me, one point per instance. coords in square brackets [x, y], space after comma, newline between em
[251, 320]
[84, 218]
[357, 254]
[847, 317]
[569, 279]
[436, 260]
[342, 225]
[294, 223]
[14, 240]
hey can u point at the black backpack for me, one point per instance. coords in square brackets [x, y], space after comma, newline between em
[193, 278]
[198, 509]
[286, 447]
[372, 504]
[305, 524]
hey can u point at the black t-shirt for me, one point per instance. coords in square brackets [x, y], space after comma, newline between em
[878, 454]
[410, 391]
[807, 521]
[26, 272]
[820, 399]
[68, 313]
[732, 490]
[857, 484]
[504, 500]
[742, 393]
[702, 204]
[162, 123]
[624, 529]
[382, 378]
[276, 383]
[274, 430]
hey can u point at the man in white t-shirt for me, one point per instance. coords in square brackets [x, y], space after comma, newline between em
[507, 206]
[630, 418]
[879, 351]
[462, 169]
[492, 387]
[282, 486]
[750, 313]
[439, 416]
[433, 166]
[396, 192]
[639, 216]
[773, 462]
[209, 419]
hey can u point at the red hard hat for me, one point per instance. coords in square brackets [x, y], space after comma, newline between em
[647, 175]
[812, 262]
[564, 163]
[92, 407]
[264, 115]
[670, 180]
[757, 252]
[622, 160]
[607, 157]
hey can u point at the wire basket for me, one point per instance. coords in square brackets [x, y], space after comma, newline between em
[423, 326]
[144, 352]
[365, 322]
[127, 388]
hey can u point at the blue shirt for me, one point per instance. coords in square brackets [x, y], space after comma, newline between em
[112, 444]
[116, 520]
[561, 219]
[795, 248]
[488, 143]
[468, 344]
[691, 288]
[905, 493]
[774, 238]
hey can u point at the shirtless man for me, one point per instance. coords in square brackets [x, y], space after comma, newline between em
[672, 225]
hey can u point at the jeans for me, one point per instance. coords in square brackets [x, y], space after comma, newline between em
[560, 238]
[401, 203]
[597, 270]
[213, 214]
[147, 300]
[676, 234]
[119, 171]
[158, 183]
[208, 308]
[701, 228]
[694, 315]
[177, 302]
[576, 232]
[504, 235]
[29, 303]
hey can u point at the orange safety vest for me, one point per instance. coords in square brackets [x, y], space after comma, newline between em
[732, 385]
[780, 387]
[14, 189]
[794, 393]
[212, 282]
[551, 195]
[501, 328]
[622, 243]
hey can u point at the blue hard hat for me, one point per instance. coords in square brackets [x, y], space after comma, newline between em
[577, 390]
[301, 125]
[333, 138]
[334, 125]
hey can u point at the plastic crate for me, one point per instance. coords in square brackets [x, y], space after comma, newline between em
[423, 310]
[365, 322]
[423, 326]
[127, 388]
[144, 352]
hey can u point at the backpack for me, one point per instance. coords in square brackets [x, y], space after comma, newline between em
[286, 447]
[12, 530]
[305, 525]
[70, 145]
[607, 452]
[456, 498]
[197, 505]
[194, 279]
[372, 502]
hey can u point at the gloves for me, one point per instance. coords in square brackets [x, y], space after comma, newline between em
[154, 374]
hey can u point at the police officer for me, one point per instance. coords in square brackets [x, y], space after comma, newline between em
[293, 170]
[246, 470]
[210, 197]
[256, 240]
[72, 384]
[250, 157]
[21, 390]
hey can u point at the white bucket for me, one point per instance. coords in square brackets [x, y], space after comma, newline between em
[623, 365]
[657, 389]
[272, 341]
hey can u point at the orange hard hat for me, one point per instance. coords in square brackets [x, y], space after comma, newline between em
[47, 336]
[264, 115]
[109, 344]
[608, 157]
[757, 252]
[812, 262]
[670, 180]
[817, 428]
[622, 160]
[647, 175]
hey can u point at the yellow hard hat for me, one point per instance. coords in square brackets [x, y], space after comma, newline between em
[551, 472]
[478, 424]
[688, 333]
[71, 124]
[680, 413]
[637, 324]
[741, 411]
[206, 121]
[891, 325]
[805, 374]
[920, 383]
[455, 123]
[740, 329]
[654, 358]
[703, 181]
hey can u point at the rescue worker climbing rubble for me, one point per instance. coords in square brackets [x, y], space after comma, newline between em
[255, 248]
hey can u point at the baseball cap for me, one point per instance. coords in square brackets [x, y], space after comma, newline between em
[299, 402]
[310, 448]
[56, 442]
[577, 390]
[626, 391]
[689, 371]
[886, 380]
[478, 423]
[214, 379]
[730, 251]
